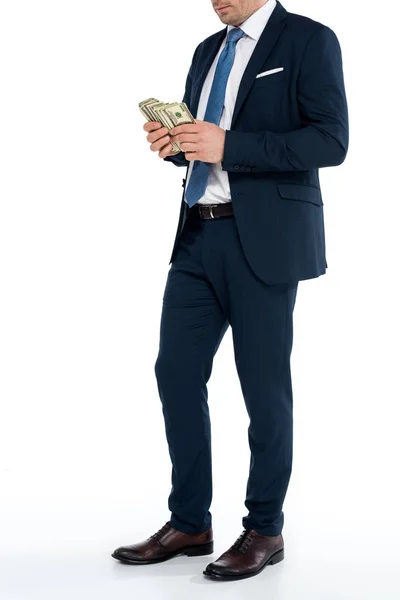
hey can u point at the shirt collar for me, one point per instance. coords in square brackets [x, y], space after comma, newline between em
[254, 25]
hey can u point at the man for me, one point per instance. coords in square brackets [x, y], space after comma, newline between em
[269, 97]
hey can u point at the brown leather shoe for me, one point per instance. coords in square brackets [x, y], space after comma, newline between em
[166, 543]
[247, 556]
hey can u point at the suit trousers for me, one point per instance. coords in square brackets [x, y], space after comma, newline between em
[210, 286]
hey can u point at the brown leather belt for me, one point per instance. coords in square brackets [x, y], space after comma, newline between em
[212, 211]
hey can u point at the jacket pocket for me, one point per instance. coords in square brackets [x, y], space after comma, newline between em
[302, 192]
[267, 80]
[269, 72]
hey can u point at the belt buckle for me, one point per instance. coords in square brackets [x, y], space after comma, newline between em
[209, 208]
[210, 211]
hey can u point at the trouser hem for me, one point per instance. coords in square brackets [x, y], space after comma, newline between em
[268, 530]
[187, 529]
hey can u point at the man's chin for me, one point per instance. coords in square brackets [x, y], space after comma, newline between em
[226, 21]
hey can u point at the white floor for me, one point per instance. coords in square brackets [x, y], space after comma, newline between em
[84, 468]
[61, 550]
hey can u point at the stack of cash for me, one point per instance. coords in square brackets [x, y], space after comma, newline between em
[169, 115]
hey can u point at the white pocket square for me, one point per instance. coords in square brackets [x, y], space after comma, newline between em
[270, 72]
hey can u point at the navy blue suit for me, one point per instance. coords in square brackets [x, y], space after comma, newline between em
[284, 128]
[244, 270]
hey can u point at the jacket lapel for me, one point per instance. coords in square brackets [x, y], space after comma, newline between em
[268, 39]
[215, 45]
[265, 44]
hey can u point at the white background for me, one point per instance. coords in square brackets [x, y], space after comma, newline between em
[88, 217]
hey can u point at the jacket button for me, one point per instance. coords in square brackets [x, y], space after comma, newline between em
[242, 167]
[248, 168]
[236, 166]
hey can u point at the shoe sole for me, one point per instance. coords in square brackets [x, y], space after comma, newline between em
[273, 560]
[199, 550]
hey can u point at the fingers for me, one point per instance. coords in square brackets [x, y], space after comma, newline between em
[187, 128]
[189, 147]
[152, 125]
[156, 135]
[166, 151]
[186, 137]
[159, 138]
[160, 143]
[189, 142]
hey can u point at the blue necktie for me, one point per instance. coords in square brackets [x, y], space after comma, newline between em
[199, 176]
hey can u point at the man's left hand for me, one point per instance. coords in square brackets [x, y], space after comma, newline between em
[200, 141]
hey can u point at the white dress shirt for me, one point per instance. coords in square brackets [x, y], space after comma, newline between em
[218, 189]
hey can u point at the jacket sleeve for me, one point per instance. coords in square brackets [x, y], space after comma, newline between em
[322, 140]
[179, 159]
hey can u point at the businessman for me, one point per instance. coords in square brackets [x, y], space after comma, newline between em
[269, 99]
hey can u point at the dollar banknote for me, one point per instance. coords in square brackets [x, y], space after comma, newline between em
[169, 114]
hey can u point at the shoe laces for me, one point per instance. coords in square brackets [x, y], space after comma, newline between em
[160, 532]
[243, 541]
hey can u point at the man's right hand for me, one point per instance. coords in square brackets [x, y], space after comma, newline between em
[159, 138]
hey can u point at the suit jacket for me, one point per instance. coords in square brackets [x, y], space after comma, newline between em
[285, 126]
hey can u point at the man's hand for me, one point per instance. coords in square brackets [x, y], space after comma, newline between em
[159, 138]
[200, 141]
